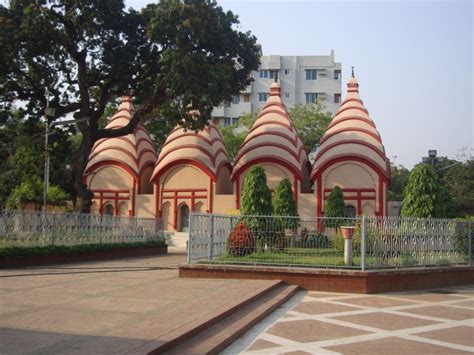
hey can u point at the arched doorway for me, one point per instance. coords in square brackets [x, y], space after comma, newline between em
[184, 218]
[350, 211]
[108, 210]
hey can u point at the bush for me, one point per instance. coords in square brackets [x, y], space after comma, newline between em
[335, 207]
[317, 240]
[284, 204]
[21, 252]
[240, 241]
[256, 196]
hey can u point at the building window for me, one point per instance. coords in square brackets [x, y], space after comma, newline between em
[235, 99]
[287, 71]
[235, 120]
[227, 103]
[262, 96]
[263, 73]
[337, 98]
[311, 97]
[246, 97]
[311, 74]
[226, 121]
[274, 74]
[287, 95]
[337, 75]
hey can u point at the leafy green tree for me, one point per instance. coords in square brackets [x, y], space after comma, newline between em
[284, 204]
[22, 154]
[311, 123]
[459, 181]
[256, 196]
[28, 191]
[424, 196]
[232, 139]
[173, 57]
[234, 135]
[335, 207]
[398, 179]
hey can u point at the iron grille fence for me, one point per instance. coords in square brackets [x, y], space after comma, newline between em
[27, 229]
[378, 242]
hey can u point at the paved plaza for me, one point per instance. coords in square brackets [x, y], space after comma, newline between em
[418, 322]
[135, 305]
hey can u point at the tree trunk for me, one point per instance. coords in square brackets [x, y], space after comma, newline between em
[84, 195]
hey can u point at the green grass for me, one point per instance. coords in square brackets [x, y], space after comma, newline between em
[294, 257]
[22, 252]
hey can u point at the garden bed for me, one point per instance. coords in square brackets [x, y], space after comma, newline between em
[48, 255]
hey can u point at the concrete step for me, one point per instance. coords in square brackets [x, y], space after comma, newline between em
[179, 239]
[215, 335]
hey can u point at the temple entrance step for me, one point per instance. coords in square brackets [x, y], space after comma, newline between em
[214, 335]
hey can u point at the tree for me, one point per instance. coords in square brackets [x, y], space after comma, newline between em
[398, 179]
[234, 135]
[173, 57]
[335, 208]
[22, 154]
[256, 196]
[284, 204]
[311, 123]
[459, 181]
[424, 196]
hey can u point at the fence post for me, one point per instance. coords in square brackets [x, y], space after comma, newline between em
[189, 244]
[469, 238]
[53, 231]
[363, 248]
[100, 229]
[210, 236]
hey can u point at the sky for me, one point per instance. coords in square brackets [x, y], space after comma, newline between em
[413, 60]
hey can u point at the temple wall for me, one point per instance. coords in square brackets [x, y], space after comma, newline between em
[110, 177]
[275, 173]
[224, 203]
[307, 205]
[145, 206]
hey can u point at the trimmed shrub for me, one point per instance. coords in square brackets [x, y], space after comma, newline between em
[317, 240]
[335, 207]
[240, 241]
[256, 196]
[284, 204]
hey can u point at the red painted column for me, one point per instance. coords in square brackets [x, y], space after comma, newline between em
[237, 192]
[175, 212]
[319, 198]
[359, 203]
[295, 191]
[101, 206]
[116, 203]
[134, 193]
[157, 199]
[192, 200]
[210, 196]
[380, 209]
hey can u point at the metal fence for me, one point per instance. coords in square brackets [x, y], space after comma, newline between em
[378, 242]
[27, 229]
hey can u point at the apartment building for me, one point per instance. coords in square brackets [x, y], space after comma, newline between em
[303, 79]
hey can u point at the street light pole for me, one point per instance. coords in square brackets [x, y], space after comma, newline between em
[46, 155]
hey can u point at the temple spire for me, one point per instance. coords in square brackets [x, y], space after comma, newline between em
[353, 71]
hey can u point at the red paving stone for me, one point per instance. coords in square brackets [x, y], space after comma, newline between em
[394, 346]
[385, 321]
[441, 311]
[306, 331]
[321, 308]
[461, 335]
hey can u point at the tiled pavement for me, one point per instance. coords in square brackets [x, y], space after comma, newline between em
[107, 307]
[422, 322]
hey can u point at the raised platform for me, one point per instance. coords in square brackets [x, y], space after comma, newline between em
[331, 280]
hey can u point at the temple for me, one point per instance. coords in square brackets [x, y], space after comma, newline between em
[192, 172]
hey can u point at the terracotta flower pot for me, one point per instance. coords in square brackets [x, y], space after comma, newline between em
[347, 232]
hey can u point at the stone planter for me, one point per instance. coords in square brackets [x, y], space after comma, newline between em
[347, 233]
